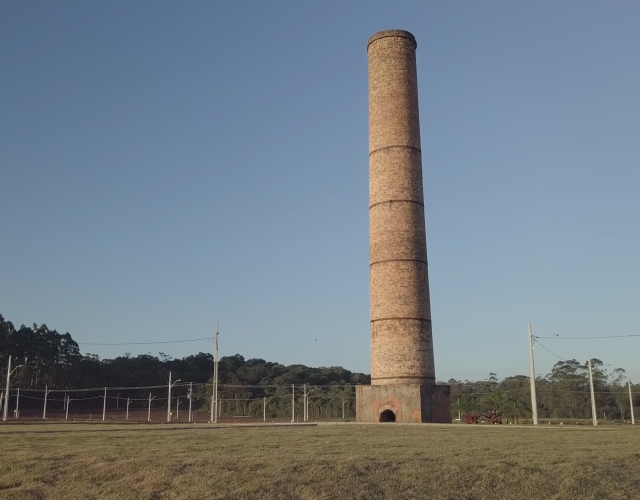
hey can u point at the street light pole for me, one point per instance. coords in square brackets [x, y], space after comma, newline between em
[149, 412]
[169, 398]
[44, 412]
[532, 346]
[6, 391]
[264, 409]
[306, 405]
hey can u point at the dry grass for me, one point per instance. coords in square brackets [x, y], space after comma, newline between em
[325, 462]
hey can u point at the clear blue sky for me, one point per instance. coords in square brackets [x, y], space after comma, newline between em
[167, 165]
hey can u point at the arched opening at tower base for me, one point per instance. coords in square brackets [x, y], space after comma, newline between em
[387, 416]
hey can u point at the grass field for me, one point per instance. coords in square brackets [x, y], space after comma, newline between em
[69, 461]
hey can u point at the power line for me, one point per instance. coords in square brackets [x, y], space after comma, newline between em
[145, 343]
[559, 357]
[50, 341]
[603, 337]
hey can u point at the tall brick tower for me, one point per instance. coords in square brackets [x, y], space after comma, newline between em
[403, 380]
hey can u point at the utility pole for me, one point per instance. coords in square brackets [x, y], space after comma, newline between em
[214, 392]
[44, 412]
[128, 401]
[104, 405]
[534, 402]
[6, 390]
[66, 411]
[293, 403]
[593, 398]
[189, 397]
[633, 420]
[169, 398]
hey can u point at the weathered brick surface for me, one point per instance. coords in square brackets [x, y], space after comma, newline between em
[401, 339]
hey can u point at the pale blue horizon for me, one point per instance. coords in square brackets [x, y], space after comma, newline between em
[168, 165]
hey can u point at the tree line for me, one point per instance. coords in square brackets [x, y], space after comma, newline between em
[562, 394]
[54, 359]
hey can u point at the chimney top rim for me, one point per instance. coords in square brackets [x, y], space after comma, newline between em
[392, 33]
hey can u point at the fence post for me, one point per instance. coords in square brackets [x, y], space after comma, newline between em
[128, 401]
[17, 415]
[66, 414]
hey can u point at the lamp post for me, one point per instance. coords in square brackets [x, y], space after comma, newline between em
[44, 412]
[6, 390]
[306, 405]
[264, 408]
[534, 403]
[149, 412]
[169, 398]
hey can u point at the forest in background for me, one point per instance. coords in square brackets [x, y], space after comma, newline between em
[55, 360]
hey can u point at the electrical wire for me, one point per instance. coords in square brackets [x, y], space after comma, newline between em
[145, 343]
[602, 337]
[559, 357]
[50, 341]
